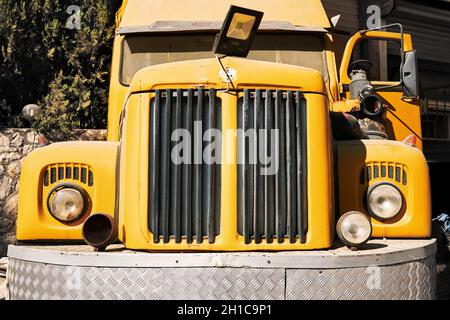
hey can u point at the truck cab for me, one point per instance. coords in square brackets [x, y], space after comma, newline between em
[227, 153]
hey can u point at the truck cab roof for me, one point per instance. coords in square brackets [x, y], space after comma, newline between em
[136, 14]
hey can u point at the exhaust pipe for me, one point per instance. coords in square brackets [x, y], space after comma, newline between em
[99, 231]
[372, 105]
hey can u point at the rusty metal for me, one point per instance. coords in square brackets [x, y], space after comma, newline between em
[99, 231]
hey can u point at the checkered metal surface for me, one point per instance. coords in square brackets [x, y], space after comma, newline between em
[411, 280]
[29, 280]
[407, 281]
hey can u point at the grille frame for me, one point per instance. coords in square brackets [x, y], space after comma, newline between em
[65, 172]
[187, 210]
[392, 171]
[133, 214]
[283, 216]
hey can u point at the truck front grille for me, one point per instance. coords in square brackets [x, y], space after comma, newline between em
[67, 172]
[390, 170]
[273, 206]
[183, 199]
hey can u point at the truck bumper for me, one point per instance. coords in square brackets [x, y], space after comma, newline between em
[383, 269]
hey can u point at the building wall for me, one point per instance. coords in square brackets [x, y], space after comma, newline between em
[348, 9]
[429, 27]
[428, 24]
[14, 146]
[347, 25]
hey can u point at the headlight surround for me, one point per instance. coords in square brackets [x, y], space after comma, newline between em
[384, 201]
[354, 228]
[67, 203]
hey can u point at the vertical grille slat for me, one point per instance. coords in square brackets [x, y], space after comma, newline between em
[272, 204]
[84, 174]
[244, 197]
[154, 166]
[217, 178]
[369, 173]
[376, 171]
[183, 192]
[164, 179]
[61, 174]
[290, 163]
[398, 177]
[208, 182]
[269, 197]
[280, 184]
[383, 171]
[250, 162]
[90, 178]
[197, 172]
[76, 173]
[46, 178]
[391, 172]
[301, 167]
[175, 217]
[186, 169]
[258, 200]
[53, 175]
[68, 172]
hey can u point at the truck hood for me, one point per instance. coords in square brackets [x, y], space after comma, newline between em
[244, 73]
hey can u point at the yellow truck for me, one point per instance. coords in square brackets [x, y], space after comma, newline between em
[260, 147]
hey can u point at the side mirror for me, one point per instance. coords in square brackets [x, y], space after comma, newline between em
[410, 75]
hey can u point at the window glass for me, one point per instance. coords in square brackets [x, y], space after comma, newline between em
[147, 50]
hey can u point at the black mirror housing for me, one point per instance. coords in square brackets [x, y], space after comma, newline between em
[410, 75]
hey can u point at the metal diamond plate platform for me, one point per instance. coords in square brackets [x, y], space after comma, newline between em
[34, 281]
[414, 280]
[399, 270]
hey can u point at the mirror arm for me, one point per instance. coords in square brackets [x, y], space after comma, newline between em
[395, 85]
[402, 49]
[399, 25]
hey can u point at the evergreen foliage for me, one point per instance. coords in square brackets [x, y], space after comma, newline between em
[64, 70]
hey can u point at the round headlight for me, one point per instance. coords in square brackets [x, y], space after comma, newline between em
[354, 228]
[67, 204]
[384, 201]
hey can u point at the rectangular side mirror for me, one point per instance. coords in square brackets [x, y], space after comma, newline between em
[410, 75]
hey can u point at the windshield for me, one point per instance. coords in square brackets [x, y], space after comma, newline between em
[141, 51]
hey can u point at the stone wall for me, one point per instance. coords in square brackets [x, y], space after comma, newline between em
[15, 144]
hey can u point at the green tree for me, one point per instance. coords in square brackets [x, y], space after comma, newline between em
[65, 71]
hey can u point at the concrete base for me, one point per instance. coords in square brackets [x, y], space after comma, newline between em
[383, 269]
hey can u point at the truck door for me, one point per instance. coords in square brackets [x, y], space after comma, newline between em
[397, 89]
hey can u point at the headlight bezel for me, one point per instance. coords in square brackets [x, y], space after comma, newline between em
[371, 189]
[62, 186]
